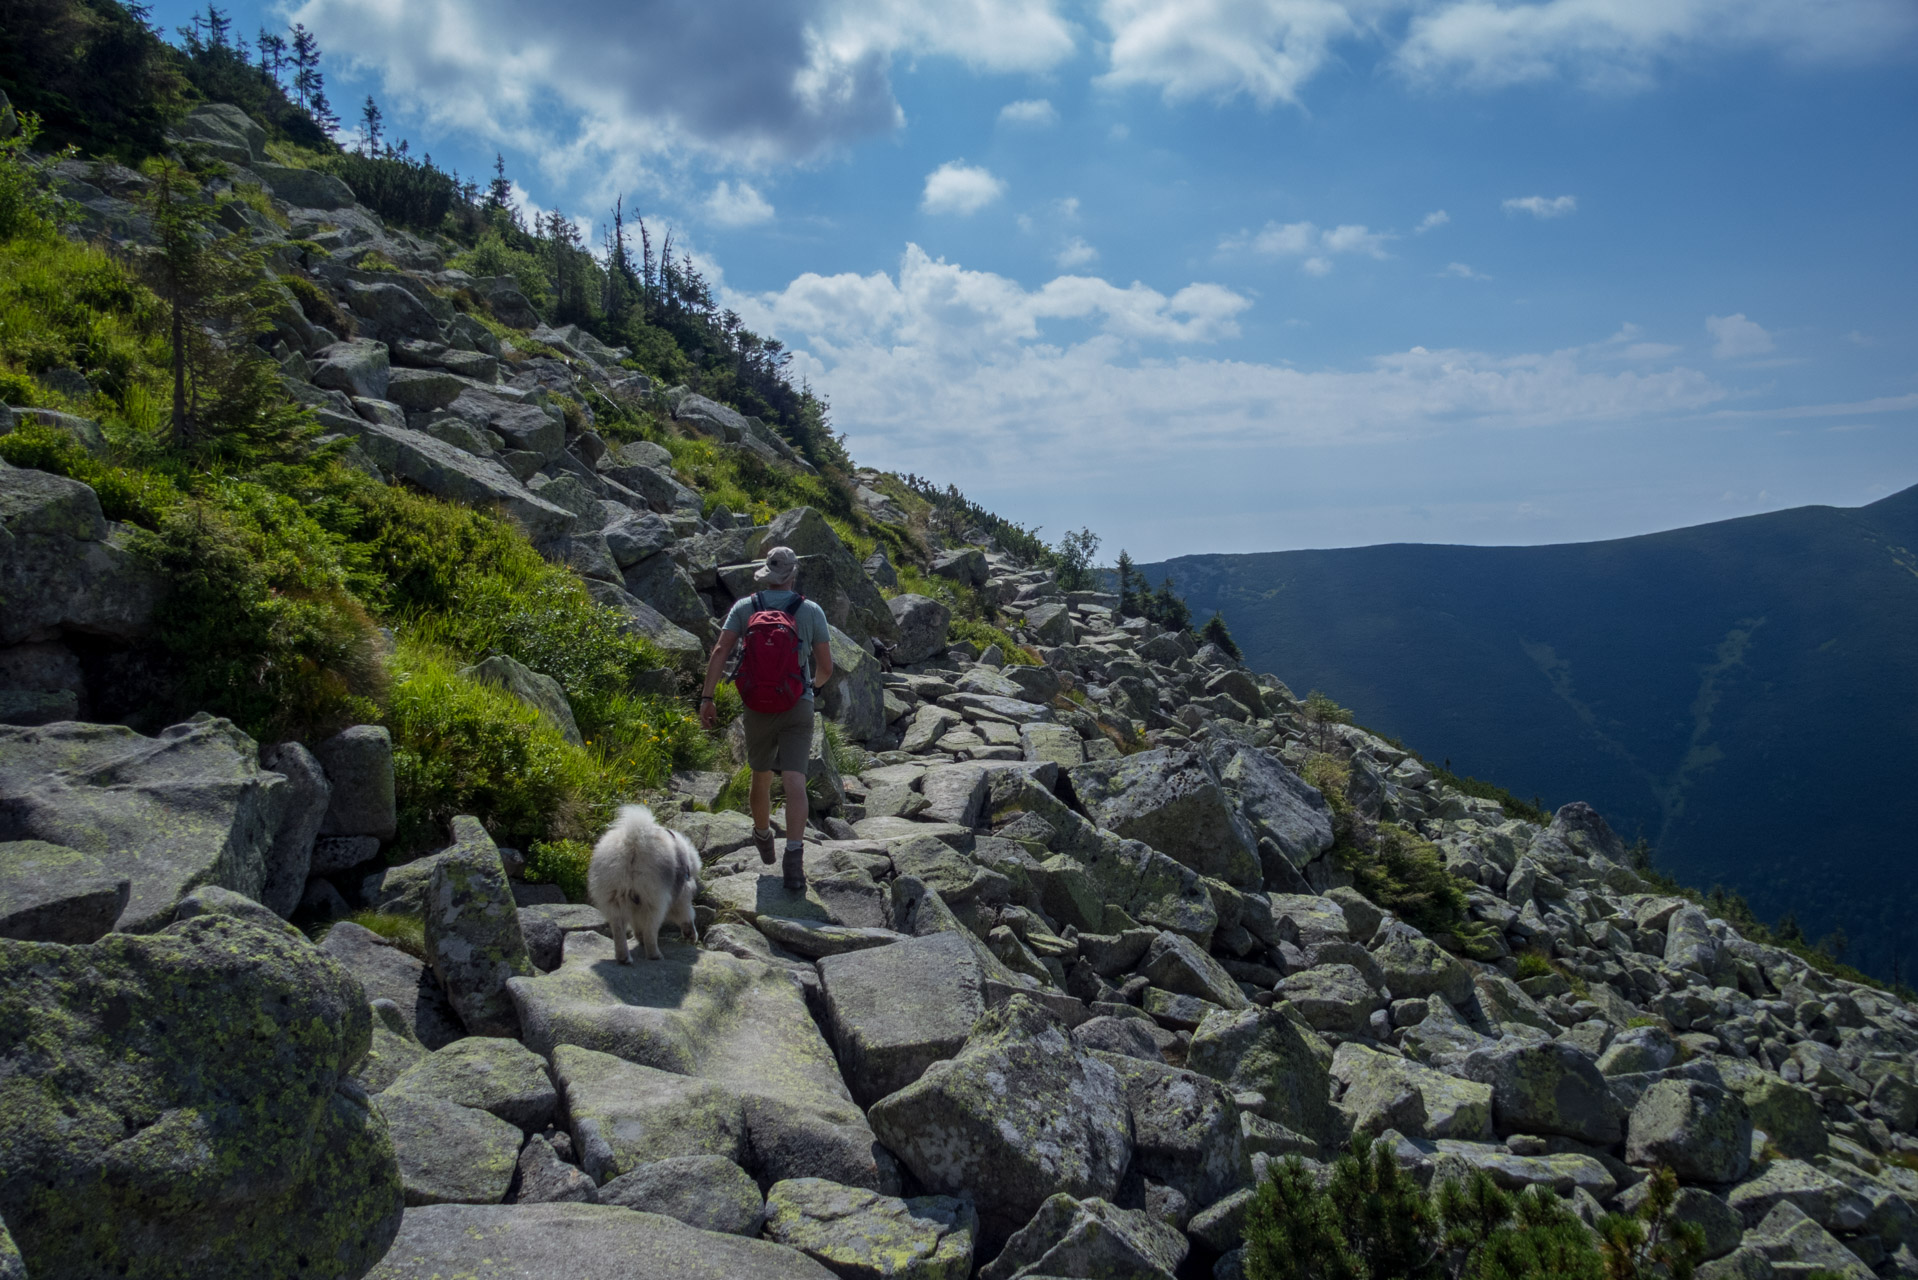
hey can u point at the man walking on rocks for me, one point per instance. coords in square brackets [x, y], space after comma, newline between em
[787, 653]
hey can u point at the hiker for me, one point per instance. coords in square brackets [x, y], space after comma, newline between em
[787, 653]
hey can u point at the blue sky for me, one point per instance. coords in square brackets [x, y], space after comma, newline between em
[1243, 275]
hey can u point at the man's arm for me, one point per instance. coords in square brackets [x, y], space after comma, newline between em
[715, 667]
[821, 663]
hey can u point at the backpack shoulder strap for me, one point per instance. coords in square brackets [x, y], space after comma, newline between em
[758, 605]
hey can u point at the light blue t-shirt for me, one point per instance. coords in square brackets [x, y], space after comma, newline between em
[810, 622]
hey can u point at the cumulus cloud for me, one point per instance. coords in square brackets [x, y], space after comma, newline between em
[749, 81]
[943, 370]
[1268, 50]
[1734, 337]
[1035, 113]
[737, 204]
[1436, 218]
[1541, 207]
[1461, 271]
[1075, 253]
[959, 188]
[1308, 241]
[1621, 44]
[1220, 49]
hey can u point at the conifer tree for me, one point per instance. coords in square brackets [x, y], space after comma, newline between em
[1128, 586]
[1215, 632]
[370, 127]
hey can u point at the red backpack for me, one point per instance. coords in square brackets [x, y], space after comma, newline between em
[769, 678]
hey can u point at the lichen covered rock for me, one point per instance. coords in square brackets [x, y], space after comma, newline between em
[862, 1235]
[1020, 1113]
[1090, 1237]
[180, 1105]
[473, 940]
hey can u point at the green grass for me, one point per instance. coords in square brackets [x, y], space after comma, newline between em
[1533, 964]
[408, 933]
[984, 635]
[560, 862]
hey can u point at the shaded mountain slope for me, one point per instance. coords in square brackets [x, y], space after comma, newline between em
[1744, 694]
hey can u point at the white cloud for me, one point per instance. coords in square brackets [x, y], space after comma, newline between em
[1076, 253]
[1308, 241]
[1435, 219]
[1541, 207]
[959, 188]
[601, 82]
[737, 205]
[952, 372]
[1460, 271]
[1858, 338]
[1035, 113]
[1616, 45]
[1734, 337]
[1220, 49]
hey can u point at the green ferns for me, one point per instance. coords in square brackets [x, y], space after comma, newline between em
[1370, 1221]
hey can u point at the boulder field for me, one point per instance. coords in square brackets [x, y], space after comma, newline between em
[1081, 950]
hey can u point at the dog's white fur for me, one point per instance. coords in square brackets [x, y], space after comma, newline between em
[643, 875]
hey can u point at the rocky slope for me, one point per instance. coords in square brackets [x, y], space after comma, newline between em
[1080, 954]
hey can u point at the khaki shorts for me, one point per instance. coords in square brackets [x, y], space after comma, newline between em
[779, 742]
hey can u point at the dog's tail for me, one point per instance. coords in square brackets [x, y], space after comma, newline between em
[636, 813]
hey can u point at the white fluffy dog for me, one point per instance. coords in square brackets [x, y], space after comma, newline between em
[643, 875]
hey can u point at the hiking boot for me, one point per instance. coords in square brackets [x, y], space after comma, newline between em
[795, 870]
[764, 843]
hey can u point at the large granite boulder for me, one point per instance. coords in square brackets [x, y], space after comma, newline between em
[359, 767]
[494, 1075]
[1175, 963]
[922, 627]
[855, 697]
[895, 1010]
[741, 1024]
[1286, 813]
[309, 796]
[534, 688]
[357, 367]
[862, 1235]
[1413, 965]
[1383, 1092]
[180, 1104]
[708, 1192]
[1019, 1113]
[1090, 1237]
[838, 583]
[187, 807]
[1185, 1129]
[449, 1154]
[449, 472]
[580, 1242]
[1264, 1052]
[49, 893]
[62, 568]
[387, 973]
[625, 1115]
[473, 940]
[1172, 801]
[1701, 1132]
[1548, 1088]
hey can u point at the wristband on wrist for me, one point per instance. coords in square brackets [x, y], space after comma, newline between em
[705, 697]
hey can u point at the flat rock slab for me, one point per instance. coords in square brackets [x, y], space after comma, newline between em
[49, 893]
[812, 939]
[579, 1242]
[897, 1010]
[495, 1075]
[738, 1023]
[708, 1192]
[450, 1154]
[625, 1115]
[862, 1235]
[187, 807]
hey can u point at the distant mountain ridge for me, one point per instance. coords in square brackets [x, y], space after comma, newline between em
[1742, 693]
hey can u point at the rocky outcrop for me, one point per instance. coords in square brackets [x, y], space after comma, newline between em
[187, 807]
[62, 566]
[181, 1104]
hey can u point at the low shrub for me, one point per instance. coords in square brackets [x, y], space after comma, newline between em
[1533, 964]
[561, 862]
[1368, 1219]
[408, 933]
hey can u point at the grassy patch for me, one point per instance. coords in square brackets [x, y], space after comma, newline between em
[408, 933]
[561, 862]
[984, 635]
